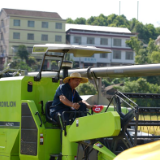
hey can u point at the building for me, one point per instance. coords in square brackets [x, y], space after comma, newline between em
[157, 41]
[27, 27]
[113, 38]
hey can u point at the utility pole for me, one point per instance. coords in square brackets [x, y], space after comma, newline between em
[119, 8]
[137, 9]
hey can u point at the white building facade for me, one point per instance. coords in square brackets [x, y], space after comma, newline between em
[157, 41]
[113, 38]
[26, 27]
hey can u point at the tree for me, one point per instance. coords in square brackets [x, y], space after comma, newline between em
[101, 20]
[121, 21]
[31, 61]
[155, 57]
[158, 31]
[86, 89]
[112, 25]
[80, 21]
[145, 32]
[69, 20]
[22, 52]
[133, 23]
[91, 20]
[20, 65]
[105, 82]
[135, 44]
[150, 32]
[142, 57]
[152, 46]
[141, 86]
[111, 18]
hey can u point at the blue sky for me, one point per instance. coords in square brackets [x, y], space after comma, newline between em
[148, 9]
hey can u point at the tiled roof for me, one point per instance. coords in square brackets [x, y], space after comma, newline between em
[97, 28]
[28, 13]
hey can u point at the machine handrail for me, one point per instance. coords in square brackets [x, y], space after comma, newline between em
[37, 113]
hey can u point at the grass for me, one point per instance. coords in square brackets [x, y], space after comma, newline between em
[150, 129]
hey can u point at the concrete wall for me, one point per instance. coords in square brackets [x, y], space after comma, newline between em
[8, 30]
[37, 30]
[4, 30]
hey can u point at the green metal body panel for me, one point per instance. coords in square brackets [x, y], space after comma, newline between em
[104, 153]
[9, 144]
[13, 92]
[51, 138]
[15, 89]
[95, 126]
[69, 149]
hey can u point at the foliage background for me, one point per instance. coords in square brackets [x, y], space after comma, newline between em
[147, 52]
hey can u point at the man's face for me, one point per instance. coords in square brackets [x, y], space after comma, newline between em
[74, 82]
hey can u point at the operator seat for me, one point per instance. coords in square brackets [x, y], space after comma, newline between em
[48, 118]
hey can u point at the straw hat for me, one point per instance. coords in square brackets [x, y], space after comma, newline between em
[76, 75]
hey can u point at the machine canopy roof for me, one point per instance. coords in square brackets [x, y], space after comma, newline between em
[77, 50]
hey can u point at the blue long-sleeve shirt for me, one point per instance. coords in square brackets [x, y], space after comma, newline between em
[66, 90]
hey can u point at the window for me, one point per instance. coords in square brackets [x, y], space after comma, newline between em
[0, 49]
[44, 24]
[129, 55]
[116, 54]
[104, 41]
[44, 37]
[2, 23]
[117, 42]
[30, 23]
[16, 22]
[127, 45]
[1, 34]
[101, 64]
[29, 49]
[58, 25]
[16, 35]
[103, 55]
[77, 40]
[4, 51]
[58, 38]
[90, 40]
[14, 49]
[30, 36]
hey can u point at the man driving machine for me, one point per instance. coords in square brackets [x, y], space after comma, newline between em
[68, 99]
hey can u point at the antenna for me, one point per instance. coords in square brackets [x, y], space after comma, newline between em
[137, 8]
[119, 8]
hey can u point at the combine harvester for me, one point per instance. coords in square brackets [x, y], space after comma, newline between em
[27, 132]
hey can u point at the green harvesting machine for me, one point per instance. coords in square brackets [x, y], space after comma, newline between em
[27, 132]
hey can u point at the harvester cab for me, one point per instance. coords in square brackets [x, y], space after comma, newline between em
[27, 131]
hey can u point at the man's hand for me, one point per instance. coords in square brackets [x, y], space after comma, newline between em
[75, 105]
[91, 106]
[88, 105]
[65, 101]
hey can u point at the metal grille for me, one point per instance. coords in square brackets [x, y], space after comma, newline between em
[28, 132]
